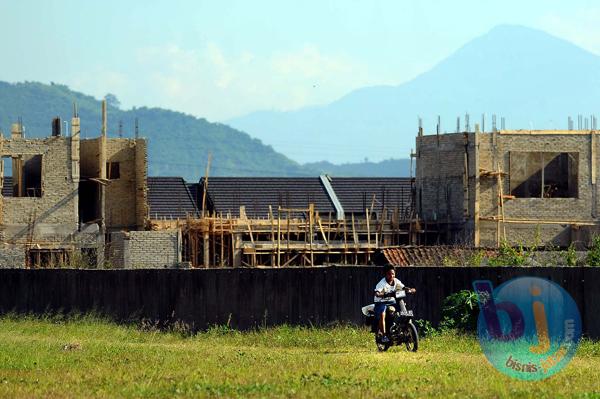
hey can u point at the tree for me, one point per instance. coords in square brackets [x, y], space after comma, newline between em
[112, 101]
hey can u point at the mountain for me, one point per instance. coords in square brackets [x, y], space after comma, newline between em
[386, 168]
[531, 78]
[178, 144]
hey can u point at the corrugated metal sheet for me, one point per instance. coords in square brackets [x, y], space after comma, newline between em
[169, 197]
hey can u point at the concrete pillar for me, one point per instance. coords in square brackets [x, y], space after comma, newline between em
[104, 118]
[141, 187]
[102, 158]
[16, 131]
[126, 253]
[206, 250]
[75, 157]
[75, 148]
[179, 246]
[237, 249]
[100, 253]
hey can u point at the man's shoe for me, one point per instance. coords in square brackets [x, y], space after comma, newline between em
[385, 340]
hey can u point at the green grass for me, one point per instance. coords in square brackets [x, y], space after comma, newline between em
[88, 357]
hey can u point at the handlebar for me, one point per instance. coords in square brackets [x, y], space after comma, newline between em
[394, 294]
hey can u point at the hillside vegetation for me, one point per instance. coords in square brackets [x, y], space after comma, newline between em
[178, 143]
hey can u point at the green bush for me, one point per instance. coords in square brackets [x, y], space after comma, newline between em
[425, 328]
[460, 311]
[476, 258]
[570, 256]
[593, 255]
[510, 256]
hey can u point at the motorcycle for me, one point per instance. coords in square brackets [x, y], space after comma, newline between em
[400, 328]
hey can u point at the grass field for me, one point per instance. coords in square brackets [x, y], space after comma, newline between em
[87, 357]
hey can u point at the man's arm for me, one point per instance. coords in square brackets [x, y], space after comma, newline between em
[380, 290]
[405, 288]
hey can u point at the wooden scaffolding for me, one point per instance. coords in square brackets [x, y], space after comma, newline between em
[290, 237]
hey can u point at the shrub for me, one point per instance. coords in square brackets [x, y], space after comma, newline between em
[510, 256]
[465, 257]
[593, 255]
[460, 311]
[425, 328]
[476, 258]
[450, 261]
[570, 256]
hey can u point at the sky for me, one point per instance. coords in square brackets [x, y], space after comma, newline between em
[220, 60]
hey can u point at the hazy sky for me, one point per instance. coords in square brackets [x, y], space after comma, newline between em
[223, 59]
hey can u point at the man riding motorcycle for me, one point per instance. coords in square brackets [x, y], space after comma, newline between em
[385, 291]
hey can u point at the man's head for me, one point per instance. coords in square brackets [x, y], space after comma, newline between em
[390, 273]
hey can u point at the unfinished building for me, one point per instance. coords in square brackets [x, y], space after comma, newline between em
[63, 196]
[524, 187]
[277, 222]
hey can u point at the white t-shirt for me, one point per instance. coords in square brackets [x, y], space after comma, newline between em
[384, 287]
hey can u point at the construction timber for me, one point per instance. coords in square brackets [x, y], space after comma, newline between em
[290, 237]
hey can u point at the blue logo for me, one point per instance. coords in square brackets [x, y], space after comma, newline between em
[528, 327]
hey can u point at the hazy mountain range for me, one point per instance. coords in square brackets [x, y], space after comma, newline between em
[533, 79]
[178, 143]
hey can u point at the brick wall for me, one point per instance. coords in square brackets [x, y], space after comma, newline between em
[90, 157]
[12, 257]
[145, 249]
[440, 176]
[141, 179]
[440, 184]
[126, 196]
[55, 212]
[52, 220]
[567, 209]
[115, 250]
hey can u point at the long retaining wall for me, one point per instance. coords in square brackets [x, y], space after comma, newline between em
[244, 298]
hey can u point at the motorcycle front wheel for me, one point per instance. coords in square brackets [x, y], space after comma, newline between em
[412, 343]
[381, 347]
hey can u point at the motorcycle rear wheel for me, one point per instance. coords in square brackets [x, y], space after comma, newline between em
[412, 344]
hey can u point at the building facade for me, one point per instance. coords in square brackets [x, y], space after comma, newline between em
[62, 197]
[520, 186]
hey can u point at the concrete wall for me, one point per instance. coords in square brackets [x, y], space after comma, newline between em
[445, 181]
[12, 257]
[90, 157]
[121, 193]
[141, 184]
[115, 250]
[54, 213]
[145, 249]
[126, 196]
[440, 163]
[52, 220]
[565, 209]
